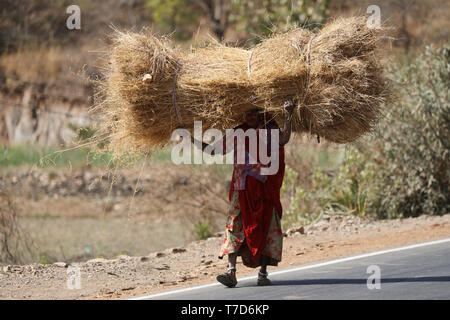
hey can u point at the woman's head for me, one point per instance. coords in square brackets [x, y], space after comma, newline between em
[256, 117]
[252, 118]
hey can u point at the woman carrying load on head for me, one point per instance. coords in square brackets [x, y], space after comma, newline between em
[253, 228]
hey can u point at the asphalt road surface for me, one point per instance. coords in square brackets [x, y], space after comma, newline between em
[420, 271]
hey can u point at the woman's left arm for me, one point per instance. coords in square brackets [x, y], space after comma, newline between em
[285, 133]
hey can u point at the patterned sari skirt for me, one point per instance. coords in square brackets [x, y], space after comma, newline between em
[234, 238]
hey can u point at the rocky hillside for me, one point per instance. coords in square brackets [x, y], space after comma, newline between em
[44, 113]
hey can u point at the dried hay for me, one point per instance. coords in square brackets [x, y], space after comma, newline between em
[335, 78]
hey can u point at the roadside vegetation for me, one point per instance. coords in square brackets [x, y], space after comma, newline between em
[403, 169]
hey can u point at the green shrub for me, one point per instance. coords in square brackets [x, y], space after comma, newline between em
[411, 152]
[202, 230]
[346, 190]
[403, 169]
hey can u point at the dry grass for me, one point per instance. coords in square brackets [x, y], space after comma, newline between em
[43, 65]
[339, 96]
[34, 64]
[14, 245]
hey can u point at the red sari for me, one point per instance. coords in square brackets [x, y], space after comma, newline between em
[258, 200]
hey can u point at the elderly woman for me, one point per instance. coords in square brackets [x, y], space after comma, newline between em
[253, 229]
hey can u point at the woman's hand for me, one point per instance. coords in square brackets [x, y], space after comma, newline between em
[285, 133]
[289, 106]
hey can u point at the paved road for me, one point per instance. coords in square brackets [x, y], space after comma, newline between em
[414, 272]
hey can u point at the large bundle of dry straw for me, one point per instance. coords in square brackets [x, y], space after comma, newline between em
[334, 77]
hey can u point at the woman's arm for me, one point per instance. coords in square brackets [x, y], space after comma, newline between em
[285, 133]
[204, 145]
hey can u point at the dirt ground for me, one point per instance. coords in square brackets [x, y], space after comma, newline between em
[197, 263]
[80, 214]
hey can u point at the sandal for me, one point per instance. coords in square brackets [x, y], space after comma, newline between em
[229, 278]
[263, 280]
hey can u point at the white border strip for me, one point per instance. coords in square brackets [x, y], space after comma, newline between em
[317, 265]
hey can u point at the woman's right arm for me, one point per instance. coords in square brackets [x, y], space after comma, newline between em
[226, 147]
[204, 144]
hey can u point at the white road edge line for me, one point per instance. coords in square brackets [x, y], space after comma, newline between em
[317, 265]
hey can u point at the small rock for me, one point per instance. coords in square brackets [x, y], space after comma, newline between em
[144, 259]
[128, 288]
[6, 269]
[60, 264]
[157, 255]
[106, 291]
[321, 224]
[294, 230]
[178, 250]
[97, 260]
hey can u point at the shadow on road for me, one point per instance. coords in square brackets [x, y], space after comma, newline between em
[357, 281]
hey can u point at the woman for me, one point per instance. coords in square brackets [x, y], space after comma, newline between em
[253, 229]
